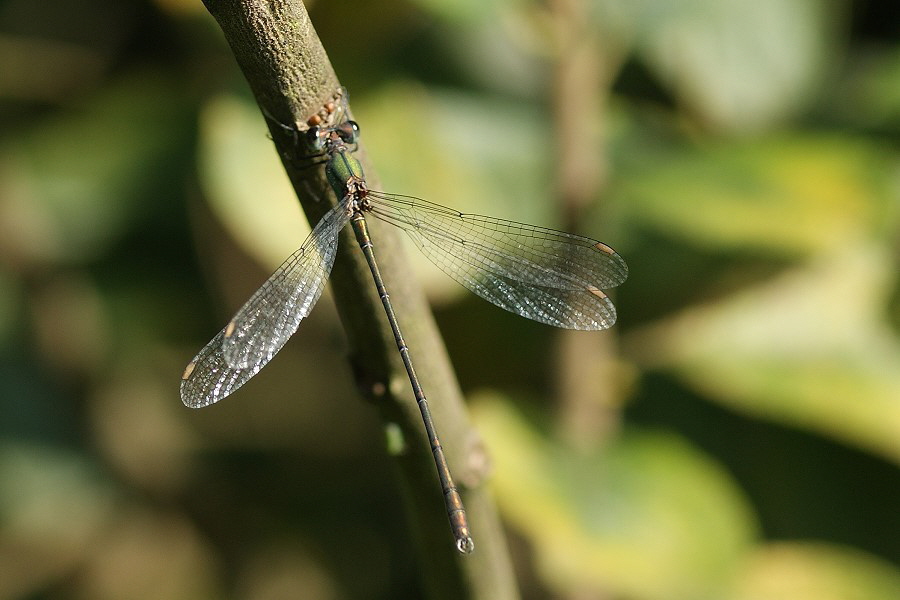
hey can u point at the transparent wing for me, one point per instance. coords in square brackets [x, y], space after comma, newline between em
[542, 274]
[269, 318]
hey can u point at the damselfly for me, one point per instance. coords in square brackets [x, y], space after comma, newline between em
[542, 274]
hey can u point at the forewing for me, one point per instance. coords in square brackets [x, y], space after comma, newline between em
[208, 378]
[268, 319]
[542, 274]
[271, 316]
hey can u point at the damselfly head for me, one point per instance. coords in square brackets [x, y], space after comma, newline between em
[330, 128]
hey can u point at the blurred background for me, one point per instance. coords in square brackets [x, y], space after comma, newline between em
[736, 436]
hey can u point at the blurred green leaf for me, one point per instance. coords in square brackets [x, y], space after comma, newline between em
[74, 183]
[432, 144]
[647, 517]
[811, 571]
[810, 348]
[787, 195]
[460, 10]
[10, 301]
[245, 183]
[870, 94]
[146, 554]
[53, 505]
[739, 65]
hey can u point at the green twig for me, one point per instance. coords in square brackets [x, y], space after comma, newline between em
[290, 76]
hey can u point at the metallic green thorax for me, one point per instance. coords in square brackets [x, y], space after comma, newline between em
[341, 170]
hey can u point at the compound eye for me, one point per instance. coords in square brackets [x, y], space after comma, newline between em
[314, 138]
[348, 131]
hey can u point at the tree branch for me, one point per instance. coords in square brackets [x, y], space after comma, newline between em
[290, 76]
